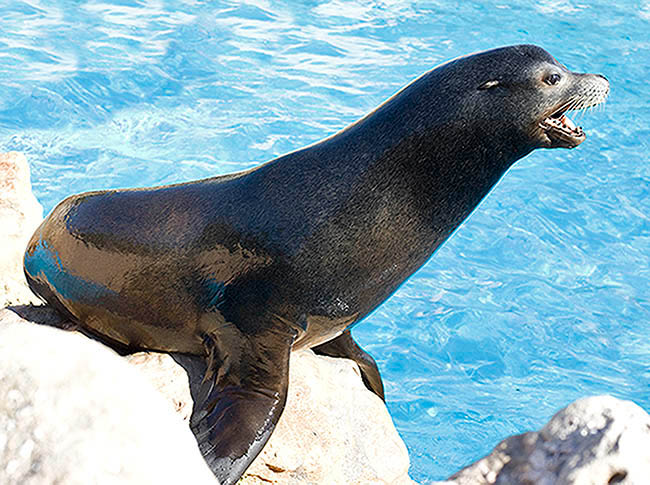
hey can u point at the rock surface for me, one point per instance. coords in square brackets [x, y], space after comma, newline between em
[335, 430]
[332, 431]
[68, 393]
[74, 412]
[593, 441]
[20, 214]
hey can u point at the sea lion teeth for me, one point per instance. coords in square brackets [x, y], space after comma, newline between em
[568, 122]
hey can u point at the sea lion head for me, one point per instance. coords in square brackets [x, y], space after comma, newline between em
[527, 86]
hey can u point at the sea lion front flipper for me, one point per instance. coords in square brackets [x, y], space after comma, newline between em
[345, 346]
[242, 397]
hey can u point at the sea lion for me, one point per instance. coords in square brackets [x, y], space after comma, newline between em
[243, 268]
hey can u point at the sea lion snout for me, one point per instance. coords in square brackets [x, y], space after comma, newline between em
[579, 92]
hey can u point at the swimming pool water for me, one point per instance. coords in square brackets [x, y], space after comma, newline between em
[540, 298]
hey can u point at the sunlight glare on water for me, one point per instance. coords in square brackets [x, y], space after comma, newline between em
[540, 298]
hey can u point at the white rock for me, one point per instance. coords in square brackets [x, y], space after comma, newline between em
[593, 441]
[332, 431]
[20, 215]
[74, 412]
[168, 378]
[65, 394]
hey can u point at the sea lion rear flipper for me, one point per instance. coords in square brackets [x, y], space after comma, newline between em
[345, 346]
[241, 400]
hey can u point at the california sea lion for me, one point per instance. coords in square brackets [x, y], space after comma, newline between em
[244, 267]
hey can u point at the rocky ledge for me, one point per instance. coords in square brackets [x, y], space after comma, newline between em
[20, 215]
[594, 441]
[75, 412]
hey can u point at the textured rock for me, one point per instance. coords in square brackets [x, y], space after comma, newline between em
[79, 393]
[169, 378]
[20, 214]
[593, 441]
[74, 412]
[332, 431]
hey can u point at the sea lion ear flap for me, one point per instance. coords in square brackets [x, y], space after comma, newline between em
[488, 85]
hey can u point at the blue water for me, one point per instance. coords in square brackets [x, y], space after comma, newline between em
[540, 298]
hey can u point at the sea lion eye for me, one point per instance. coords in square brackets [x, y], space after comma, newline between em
[552, 79]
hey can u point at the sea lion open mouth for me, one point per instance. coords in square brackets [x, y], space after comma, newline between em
[558, 130]
[561, 131]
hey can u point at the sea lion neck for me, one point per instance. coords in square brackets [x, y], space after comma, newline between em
[418, 153]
